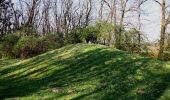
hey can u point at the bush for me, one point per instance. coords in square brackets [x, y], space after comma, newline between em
[20, 46]
[73, 38]
[104, 30]
[25, 47]
[79, 35]
[7, 44]
[29, 46]
[53, 41]
[90, 34]
[41, 45]
[166, 56]
[168, 48]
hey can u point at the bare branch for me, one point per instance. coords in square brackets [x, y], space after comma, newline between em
[157, 2]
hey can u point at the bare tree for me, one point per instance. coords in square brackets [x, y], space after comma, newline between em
[138, 9]
[32, 11]
[164, 24]
[46, 18]
[101, 10]
[29, 15]
[113, 14]
[88, 10]
[7, 17]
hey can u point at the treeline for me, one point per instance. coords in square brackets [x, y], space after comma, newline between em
[31, 27]
[19, 45]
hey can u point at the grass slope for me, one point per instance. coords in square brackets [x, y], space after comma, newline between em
[89, 72]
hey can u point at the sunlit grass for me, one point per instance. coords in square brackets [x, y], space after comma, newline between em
[86, 72]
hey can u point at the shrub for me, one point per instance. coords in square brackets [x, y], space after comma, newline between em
[29, 46]
[7, 43]
[20, 46]
[73, 38]
[104, 30]
[41, 45]
[54, 41]
[168, 48]
[166, 56]
[25, 47]
[90, 34]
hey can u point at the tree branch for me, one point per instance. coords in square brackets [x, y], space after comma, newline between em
[157, 2]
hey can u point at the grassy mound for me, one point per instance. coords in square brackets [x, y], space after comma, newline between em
[85, 72]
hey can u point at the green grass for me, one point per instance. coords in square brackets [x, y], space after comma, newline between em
[89, 72]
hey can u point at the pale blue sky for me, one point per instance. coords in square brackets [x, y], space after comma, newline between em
[152, 27]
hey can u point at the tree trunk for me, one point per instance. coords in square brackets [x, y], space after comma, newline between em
[115, 25]
[111, 20]
[139, 22]
[163, 29]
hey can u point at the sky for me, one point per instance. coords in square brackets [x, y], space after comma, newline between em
[152, 26]
[151, 21]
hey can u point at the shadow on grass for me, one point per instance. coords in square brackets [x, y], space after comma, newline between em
[119, 75]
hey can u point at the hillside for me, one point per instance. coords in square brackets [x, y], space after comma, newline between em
[85, 72]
